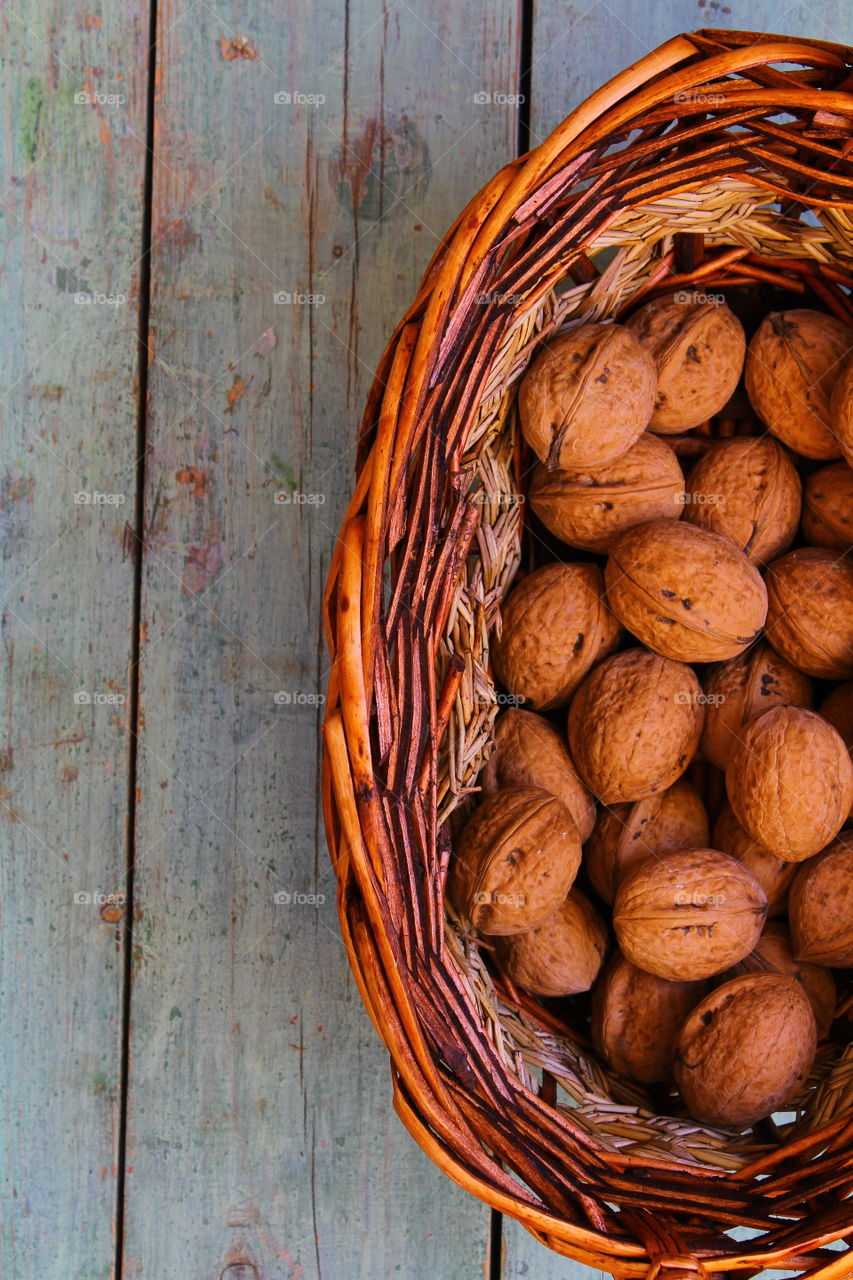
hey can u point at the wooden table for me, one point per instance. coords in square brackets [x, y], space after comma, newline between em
[214, 214]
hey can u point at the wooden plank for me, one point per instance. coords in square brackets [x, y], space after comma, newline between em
[73, 103]
[261, 1133]
[575, 49]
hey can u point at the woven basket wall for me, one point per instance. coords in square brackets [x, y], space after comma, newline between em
[719, 161]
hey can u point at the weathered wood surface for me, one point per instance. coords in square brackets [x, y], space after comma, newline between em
[73, 101]
[260, 1128]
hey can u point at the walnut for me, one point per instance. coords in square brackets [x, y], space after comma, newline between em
[820, 906]
[746, 1049]
[747, 488]
[634, 725]
[810, 611]
[587, 396]
[627, 833]
[555, 626]
[742, 688]
[790, 782]
[637, 1017]
[828, 507]
[528, 751]
[774, 954]
[689, 914]
[774, 875]
[685, 592]
[560, 957]
[590, 508]
[792, 365]
[698, 349]
[515, 861]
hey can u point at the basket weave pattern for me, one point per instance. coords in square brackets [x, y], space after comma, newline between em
[693, 168]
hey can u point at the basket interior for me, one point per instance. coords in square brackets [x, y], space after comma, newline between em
[537, 1043]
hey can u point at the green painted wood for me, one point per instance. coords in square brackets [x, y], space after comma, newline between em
[576, 49]
[73, 105]
[261, 1137]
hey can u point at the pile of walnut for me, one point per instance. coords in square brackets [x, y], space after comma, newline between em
[680, 632]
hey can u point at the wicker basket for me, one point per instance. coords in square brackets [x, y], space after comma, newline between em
[718, 161]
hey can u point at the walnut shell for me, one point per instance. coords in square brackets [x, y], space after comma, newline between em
[792, 365]
[698, 349]
[515, 861]
[745, 1049]
[555, 626]
[810, 611]
[528, 751]
[747, 488]
[742, 688]
[634, 725]
[561, 957]
[790, 782]
[587, 396]
[689, 914]
[841, 409]
[774, 875]
[828, 507]
[774, 954]
[628, 833]
[590, 508]
[837, 708]
[820, 906]
[637, 1017]
[685, 592]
